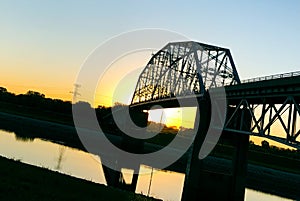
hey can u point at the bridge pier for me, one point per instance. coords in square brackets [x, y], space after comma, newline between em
[206, 184]
[239, 166]
[194, 165]
[115, 178]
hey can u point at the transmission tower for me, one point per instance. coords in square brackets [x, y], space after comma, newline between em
[75, 92]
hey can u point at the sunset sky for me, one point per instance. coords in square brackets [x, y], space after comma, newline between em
[44, 43]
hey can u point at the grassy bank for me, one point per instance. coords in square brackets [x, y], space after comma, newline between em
[20, 181]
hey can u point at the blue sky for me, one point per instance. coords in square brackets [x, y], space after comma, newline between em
[41, 38]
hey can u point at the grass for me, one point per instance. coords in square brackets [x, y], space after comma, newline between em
[19, 181]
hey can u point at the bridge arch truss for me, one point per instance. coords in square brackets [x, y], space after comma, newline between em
[184, 68]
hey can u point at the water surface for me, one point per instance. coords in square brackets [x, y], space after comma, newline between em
[161, 184]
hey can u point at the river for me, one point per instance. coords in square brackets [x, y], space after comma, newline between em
[161, 184]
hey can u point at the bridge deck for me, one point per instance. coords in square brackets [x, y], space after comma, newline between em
[276, 90]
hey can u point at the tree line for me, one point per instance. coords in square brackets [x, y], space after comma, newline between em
[36, 100]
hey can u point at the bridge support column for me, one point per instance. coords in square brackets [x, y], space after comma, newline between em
[239, 166]
[213, 184]
[194, 165]
[133, 145]
[240, 157]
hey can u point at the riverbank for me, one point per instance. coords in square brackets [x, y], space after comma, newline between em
[19, 181]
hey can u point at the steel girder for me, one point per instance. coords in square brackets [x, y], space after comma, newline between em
[278, 122]
[184, 68]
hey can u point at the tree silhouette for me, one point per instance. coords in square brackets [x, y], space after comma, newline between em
[3, 90]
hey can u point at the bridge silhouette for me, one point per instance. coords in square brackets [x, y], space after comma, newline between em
[182, 72]
[185, 68]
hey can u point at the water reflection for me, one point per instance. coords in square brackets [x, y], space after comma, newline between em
[252, 195]
[165, 185]
[26, 129]
[47, 154]
[62, 150]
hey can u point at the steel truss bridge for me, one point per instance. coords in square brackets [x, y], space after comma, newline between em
[182, 72]
[183, 69]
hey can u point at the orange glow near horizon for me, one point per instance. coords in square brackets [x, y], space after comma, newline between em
[23, 71]
[176, 117]
[116, 85]
[120, 78]
[52, 92]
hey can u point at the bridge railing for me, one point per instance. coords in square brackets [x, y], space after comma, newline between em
[272, 77]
